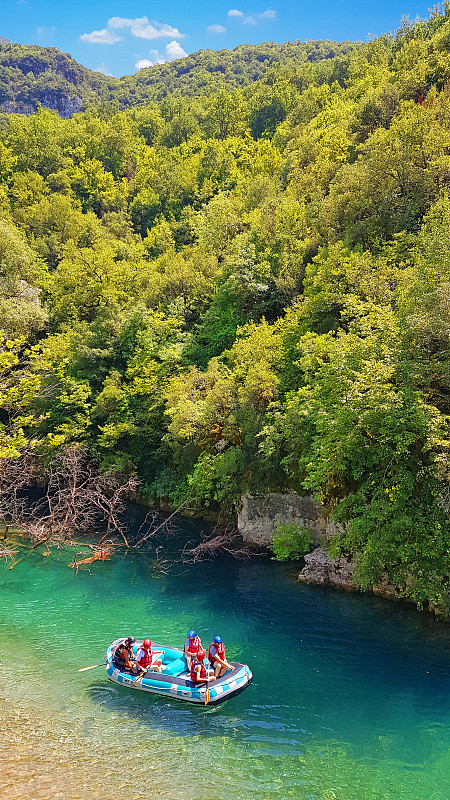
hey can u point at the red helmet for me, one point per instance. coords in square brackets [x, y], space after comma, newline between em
[201, 654]
[147, 643]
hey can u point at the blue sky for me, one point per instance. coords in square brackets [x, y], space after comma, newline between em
[118, 38]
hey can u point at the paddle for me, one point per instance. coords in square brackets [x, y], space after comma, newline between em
[207, 696]
[139, 676]
[83, 669]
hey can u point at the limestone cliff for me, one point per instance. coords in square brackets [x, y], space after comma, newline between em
[31, 76]
[260, 516]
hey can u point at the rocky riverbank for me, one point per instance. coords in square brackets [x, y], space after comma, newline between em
[260, 516]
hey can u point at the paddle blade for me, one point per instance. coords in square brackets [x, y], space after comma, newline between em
[207, 696]
[83, 669]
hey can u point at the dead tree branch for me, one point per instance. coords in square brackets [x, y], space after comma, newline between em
[225, 539]
[8, 553]
[165, 525]
[76, 498]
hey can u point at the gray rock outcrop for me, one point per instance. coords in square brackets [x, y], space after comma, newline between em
[321, 568]
[384, 588]
[62, 103]
[260, 516]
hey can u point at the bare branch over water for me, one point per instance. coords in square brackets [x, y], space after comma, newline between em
[76, 498]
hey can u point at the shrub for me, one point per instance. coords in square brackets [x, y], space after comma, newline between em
[290, 543]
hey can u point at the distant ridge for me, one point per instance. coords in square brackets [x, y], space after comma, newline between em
[31, 75]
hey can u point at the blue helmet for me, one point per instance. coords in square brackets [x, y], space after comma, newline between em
[192, 635]
[218, 640]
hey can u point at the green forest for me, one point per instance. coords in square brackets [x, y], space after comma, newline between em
[31, 75]
[246, 289]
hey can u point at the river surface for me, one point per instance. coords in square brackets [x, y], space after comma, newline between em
[350, 699]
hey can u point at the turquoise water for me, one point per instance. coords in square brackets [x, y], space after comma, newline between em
[349, 700]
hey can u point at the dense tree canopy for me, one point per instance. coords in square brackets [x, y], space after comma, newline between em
[232, 289]
[31, 75]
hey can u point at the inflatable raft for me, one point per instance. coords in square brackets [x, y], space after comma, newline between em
[175, 680]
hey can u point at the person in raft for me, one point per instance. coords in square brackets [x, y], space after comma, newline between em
[123, 657]
[217, 658]
[199, 672]
[192, 646]
[147, 659]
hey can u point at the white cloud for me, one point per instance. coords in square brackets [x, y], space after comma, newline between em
[45, 31]
[143, 63]
[252, 19]
[142, 28]
[174, 50]
[101, 37]
[216, 29]
[156, 57]
[104, 70]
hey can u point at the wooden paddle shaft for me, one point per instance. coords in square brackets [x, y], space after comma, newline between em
[83, 669]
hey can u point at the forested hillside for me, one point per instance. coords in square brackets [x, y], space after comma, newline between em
[246, 291]
[31, 75]
[208, 70]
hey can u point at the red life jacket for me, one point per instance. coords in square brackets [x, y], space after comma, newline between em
[194, 666]
[220, 648]
[147, 658]
[194, 645]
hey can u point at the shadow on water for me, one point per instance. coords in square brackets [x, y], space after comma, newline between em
[259, 728]
[174, 717]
